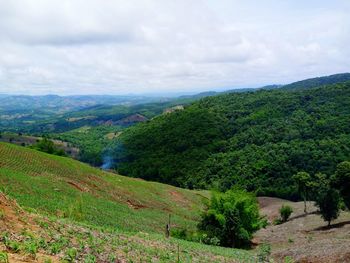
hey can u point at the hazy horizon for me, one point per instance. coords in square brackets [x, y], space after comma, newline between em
[166, 47]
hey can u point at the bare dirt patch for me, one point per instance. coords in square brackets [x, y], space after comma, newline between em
[13, 217]
[76, 186]
[14, 220]
[135, 205]
[304, 237]
[179, 198]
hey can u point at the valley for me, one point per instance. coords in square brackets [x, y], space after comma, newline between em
[100, 183]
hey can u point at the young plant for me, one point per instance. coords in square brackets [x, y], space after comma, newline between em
[71, 254]
[285, 212]
[264, 253]
[4, 258]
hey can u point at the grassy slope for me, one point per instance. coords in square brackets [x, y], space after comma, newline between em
[120, 217]
[65, 187]
[28, 237]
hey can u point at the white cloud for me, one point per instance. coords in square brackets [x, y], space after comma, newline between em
[115, 46]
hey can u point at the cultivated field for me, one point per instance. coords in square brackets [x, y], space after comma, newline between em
[73, 212]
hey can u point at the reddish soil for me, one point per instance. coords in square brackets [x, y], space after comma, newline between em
[76, 186]
[14, 220]
[304, 237]
[13, 217]
[179, 198]
[134, 205]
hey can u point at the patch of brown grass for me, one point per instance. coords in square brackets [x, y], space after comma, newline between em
[304, 237]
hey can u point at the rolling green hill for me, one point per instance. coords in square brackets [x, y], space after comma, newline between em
[76, 213]
[256, 139]
[67, 188]
[316, 82]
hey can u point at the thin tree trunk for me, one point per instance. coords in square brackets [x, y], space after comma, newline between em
[305, 204]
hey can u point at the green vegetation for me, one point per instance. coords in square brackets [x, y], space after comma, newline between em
[257, 140]
[54, 114]
[95, 216]
[303, 181]
[73, 242]
[317, 82]
[47, 146]
[341, 181]
[91, 141]
[328, 201]
[325, 190]
[67, 188]
[4, 257]
[285, 212]
[231, 219]
[264, 253]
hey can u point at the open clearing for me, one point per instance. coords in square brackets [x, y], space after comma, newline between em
[304, 237]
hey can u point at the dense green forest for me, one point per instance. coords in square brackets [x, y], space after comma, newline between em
[91, 141]
[316, 82]
[257, 140]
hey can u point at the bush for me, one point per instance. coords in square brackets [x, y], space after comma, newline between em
[48, 146]
[181, 233]
[285, 212]
[231, 219]
[264, 253]
[277, 221]
[328, 201]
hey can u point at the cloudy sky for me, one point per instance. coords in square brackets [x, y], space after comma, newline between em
[149, 46]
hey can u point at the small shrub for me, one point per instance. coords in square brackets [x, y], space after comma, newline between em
[75, 210]
[31, 248]
[112, 258]
[277, 221]
[179, 233]
[71, 254]
[4, 257]
[264, 253]
[90, 259]
[285, 212]
[11, 244]
[288, 259]
[55, 248]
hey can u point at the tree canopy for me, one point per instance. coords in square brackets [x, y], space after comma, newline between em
[232, 218]
[257, 140]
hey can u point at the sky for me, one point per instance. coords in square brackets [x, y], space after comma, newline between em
[71, 47]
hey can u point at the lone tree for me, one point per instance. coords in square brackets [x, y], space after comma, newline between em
[232, 218]
[341, 180]
[304, 183]
[328, 201]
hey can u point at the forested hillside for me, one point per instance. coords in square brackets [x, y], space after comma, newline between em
[256, 139]
[316, 82]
